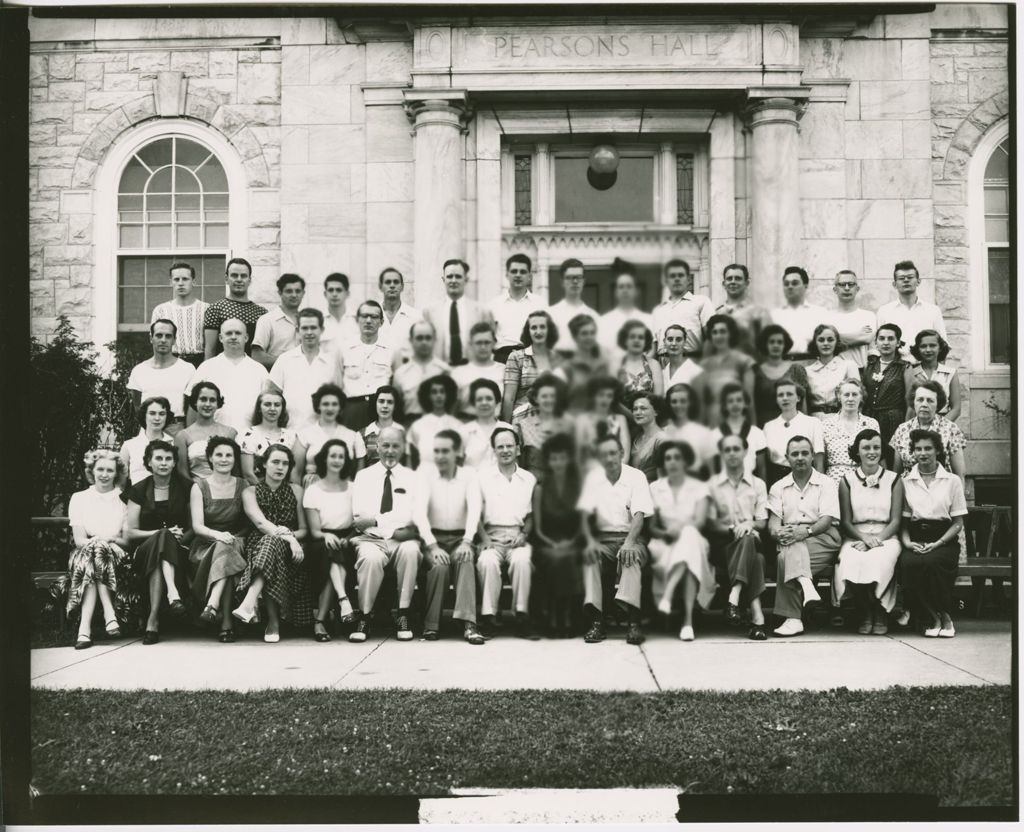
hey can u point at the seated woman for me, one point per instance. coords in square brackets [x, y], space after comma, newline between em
[679, 552]
[934, 508]
[438, 396]
[193, 462]
[683, 426]
[525, 365]
[601, 417]
[328, 405]
[870, 502]
[740, 515]
[887, 379]
[98, 566]
[931, 351]
[328, 506]
[545, 419]
[557, 536]
[826, 371]
[839, 429]
[387, 406]
[735, 409]
[219, 525]
[929, 398]
[274, 569]
[724, 363]
[643, 450]
[485, 396]
[158, 521]
[679, 368]
[636, 372]
[774, 343]
[153, 415]
[269, 427]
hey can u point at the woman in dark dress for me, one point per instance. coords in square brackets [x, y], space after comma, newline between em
[774, 344]
[556, 533]
[159, 522]
[886, 378]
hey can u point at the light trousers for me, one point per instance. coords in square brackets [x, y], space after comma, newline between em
[438, 580]
[608, 568]
[807, 559]
[519, 562]
[373, 556]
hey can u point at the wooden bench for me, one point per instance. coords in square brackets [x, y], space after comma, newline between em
[989, 533]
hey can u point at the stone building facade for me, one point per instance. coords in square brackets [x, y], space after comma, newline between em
[351, 144]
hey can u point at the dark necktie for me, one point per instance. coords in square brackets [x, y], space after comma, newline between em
[386, 500]
[455, 334]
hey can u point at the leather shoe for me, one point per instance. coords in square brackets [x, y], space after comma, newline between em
[594, 634]
[177, 608]
[151, 637]
[732, 615]
[634, 635]
[472, 634]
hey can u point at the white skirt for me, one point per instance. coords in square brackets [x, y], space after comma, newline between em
[690, 549]
[876, 566]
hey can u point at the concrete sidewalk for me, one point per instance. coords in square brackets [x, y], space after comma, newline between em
[724, 661]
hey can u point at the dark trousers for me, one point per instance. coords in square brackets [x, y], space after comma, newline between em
[356, 414]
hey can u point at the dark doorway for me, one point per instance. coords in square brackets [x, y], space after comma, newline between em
[598, 291]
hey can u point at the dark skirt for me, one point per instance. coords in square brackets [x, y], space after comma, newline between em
[928, 579]
[559, 574]
[157, 549]
[319, 558]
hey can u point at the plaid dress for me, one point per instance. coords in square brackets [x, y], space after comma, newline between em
[287, 582]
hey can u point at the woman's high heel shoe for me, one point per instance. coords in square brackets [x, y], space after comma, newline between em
[113, 628]
[320, 637]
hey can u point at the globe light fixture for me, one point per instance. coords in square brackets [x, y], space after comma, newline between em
[603, 166]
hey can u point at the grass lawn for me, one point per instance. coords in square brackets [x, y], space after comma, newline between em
[954, 742]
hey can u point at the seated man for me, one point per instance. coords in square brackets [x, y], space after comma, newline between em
[382, 502]
[507, 492]
[614, 501]
[447, 513]
[803, 510]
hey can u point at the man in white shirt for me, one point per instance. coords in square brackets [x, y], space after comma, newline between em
[789, 423]
[278, 330]
[511, 309]
[165, 374]
[797, 316]
[454, 318]
[481, 365]
[240, 378]
[340, 325]
[186, 311]
[447, 506]
[398, 315]
[507, 492]
[609, 324]
[803, 510]
[420, 366]
[571, 304]
[364, 365]
[614, 501]
[856, 326]
[382, 508]
[908, 311]
[300, 372]
[692, 312]
[749, 317]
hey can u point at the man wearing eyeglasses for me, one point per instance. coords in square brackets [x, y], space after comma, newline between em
[364, 365]
[571, 305]
[856, 326]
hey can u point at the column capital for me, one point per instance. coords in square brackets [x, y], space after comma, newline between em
[436, 106]
[775, 105]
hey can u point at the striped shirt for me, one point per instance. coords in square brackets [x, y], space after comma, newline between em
[188, 320]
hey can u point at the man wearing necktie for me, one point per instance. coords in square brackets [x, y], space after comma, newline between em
[454, 316]
[382, 507]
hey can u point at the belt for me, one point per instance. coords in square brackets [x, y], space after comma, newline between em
[364, 398]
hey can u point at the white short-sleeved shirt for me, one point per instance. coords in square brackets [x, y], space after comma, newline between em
[691, 312]
[394, 333]
[824, 378]
[563, 312]
[136, 450]
[851, 324]
[739, 502]
[790, 504]
[338, 333]
[276, 333]
[943, 499]
[424, 429]
[447, 504]
[778, 432]
[101, 515]
[911, 319]
[239, 381]
[799, 322]
[756, 442]
[464, 376]
[298, 378]
[335, 507]
[314, 437]
[609, 324]
[615, 503]
[700, 438]
[508, 501]
[477, 443]
[409, 376]
[510, 315]
[169, 382]
[364, 367]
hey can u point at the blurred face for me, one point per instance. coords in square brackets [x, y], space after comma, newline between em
[337, 457]
[636, 340]
[277, 466]
[385, 406]
[482, 347]
[156, 416]
[775, 346]
[643, 412]
[799, 455]
[928, 347]
[674, 340]
[104, 473]
[454, 281]
[222, 460]
[162, 339]
[182, 282]
[422, 341]
[546, 399]
[735, 283]
[674, 463]
[786, 398]
[518, 276]
[586, 337]
[444, 454]
[572, 282]
[310, 331]
[438, 398]
[335, 294]
[678, 280]
[906, 281]
[925, 454]
[870, 451]
[886, 341]
[609, 454]
[735, 404]
[558, 462]
[391, 285]
[238, 279]
[826, 343]
[625, 291]
[291, 295]
[793, 288]
[206, 403]
[679, 404]
[850, 398]
[603, 401]
[538, 329]
[389, 447]
[330, 407]
[369, 319]
[719, 336]
[485, 403]
[233, 336]
[733, 452]
[270, 408]
[161, 463]
[505, 449]
[845, 287]
[926, 404]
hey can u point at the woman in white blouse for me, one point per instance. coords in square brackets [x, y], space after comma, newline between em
[870, 502]
[826, 371]
[438, 397]
[931, 351]
[683, 426]
[328, 506]
[934, 507]
[679, 552]
[485, 396]
[328, 405]
[153, 415]
[269, 427]
[736, 421]
[97, 567]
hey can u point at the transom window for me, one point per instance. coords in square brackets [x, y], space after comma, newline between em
[997, 251]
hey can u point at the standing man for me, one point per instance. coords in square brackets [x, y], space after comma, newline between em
[340, 325]
[240, 378]
[571, 304]
[186, 312]
[420, 366]
[364, 365]
[511, 309]
[609, 324]
[803, 510]
[856, 326]
[692, 312]
[614, 502]
[235, 305]
[908, 311]
[454, 318]
[398, 315]
[797, 316]
[750, 318]
[481, 365]
[507, 492]
[447, 506]
[382, 501]
[278, 330]
[302, 370]
[165, 374]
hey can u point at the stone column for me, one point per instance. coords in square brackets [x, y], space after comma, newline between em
[439, 228]
[776, 231]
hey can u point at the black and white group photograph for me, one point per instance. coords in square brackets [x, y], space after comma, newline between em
[485, 413]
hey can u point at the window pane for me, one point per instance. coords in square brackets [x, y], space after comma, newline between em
[212, 176]
[523, 196]
[185, 181]
[996, 200]
[161, 182]
[998, 166]
[156, 154]
[156, 274]
[216, 236]
[133, 271]
[684, 189]
[186, 207]
[189, 153]
[999, 304]
[158, 207]
[159, 236]
[134, 177]
[629, 199]
[187, 235]
[131, 306]
[996, 229]
[131, 236]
